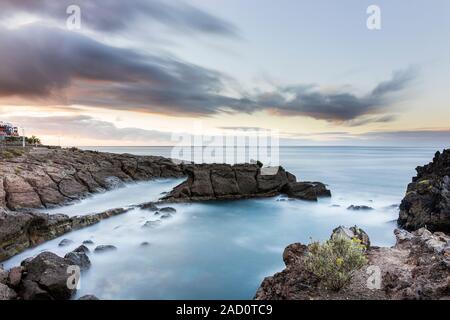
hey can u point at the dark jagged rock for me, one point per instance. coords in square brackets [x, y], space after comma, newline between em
[427, 199]
[21, 230]
[417, 267]
[46, 278]
[227, 182]
[79, 257]
[359, 208]
[352, 233]
[105, 248]
[306, 190]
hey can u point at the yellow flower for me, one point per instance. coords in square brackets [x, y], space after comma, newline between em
[339, 261]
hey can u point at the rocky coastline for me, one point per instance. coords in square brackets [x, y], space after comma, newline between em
[48, 177]
[417, 267]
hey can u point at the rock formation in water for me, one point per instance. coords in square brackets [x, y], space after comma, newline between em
[241, 181]
[427, 199]
[417, 267]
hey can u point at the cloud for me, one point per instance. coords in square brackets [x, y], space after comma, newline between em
[338, 106]
[58, 67]
[87, 127]
[52, 66]
[119, 15]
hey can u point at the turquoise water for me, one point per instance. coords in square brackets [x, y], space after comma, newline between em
[223, 250]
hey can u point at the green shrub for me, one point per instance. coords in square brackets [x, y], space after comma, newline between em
[335, 261]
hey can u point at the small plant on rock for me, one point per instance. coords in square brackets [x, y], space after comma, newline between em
[335, 261]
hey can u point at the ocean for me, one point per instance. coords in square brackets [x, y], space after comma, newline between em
[223, 250]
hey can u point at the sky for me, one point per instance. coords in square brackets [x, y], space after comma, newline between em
[137, 72]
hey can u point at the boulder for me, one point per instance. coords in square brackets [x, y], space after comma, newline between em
[79, 259]
[46, 277]
[310, 191]
[352, 233]
[7, 293]
[82, 249]
[427, 199]
[15, 276]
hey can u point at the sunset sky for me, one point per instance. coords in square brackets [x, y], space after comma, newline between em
[140, 70]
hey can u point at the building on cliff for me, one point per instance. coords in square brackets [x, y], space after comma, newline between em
[8, 130]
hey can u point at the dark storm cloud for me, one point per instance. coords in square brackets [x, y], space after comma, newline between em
[338, 106]
[39, 62]
[118, 15]
[54, 66]
[87, 127]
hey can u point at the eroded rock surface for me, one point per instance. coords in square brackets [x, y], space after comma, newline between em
[427, 199]
[241, 181]
[417, 267]
[21, 230]
[46, 177]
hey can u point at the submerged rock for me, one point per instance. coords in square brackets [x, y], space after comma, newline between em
[88, 242]
[359, 208]
[150, 206]
[427, 199]
[152, 224]
[105, 248]
[168, 210]
[65, 242]
[89, 297]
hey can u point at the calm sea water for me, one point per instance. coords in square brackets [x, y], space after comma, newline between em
[223, 250]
